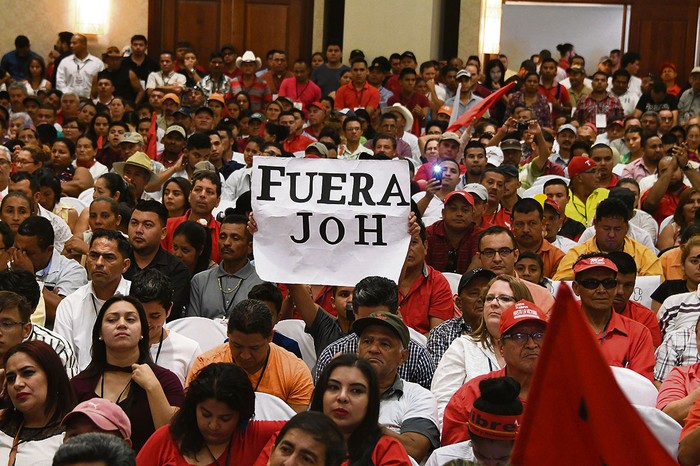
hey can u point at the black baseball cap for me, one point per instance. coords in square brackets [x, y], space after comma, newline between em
[471, 275]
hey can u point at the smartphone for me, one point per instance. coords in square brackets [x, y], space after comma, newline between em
[437, 172]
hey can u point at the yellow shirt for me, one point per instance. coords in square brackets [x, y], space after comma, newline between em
[647, 262]
[582, 212]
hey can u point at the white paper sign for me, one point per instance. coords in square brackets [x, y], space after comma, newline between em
[328, 221]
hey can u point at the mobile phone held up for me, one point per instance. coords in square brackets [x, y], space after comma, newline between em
[437, 172]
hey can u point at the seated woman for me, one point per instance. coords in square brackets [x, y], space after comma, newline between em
[684, 215]
[348, 392]
[103, 215]
[214, 426]
[50, 194]
[85, 152]
[476, 354]
[192, 245]
[74, 180]
[40, 395]
[16, 208]
[122, 370]
[176, 195]
[30, 159]
[109, 185]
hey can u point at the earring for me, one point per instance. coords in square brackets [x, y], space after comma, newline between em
[99, 338]
[141, 337]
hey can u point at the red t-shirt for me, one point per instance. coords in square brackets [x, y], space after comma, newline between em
[429, 296]
[667, 204]
[348, 97]
[296, 143]
[246, 446]
[214, 226]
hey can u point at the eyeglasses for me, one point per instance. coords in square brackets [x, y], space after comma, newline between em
[8, 325]
[503, 252]
[594, 283]
[502, 299]
[521, 338]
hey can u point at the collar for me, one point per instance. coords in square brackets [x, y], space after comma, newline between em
[617, 324]
[244, 272]
[42, 274]
[395, 389]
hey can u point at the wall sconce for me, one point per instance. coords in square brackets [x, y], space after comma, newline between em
[490, 32]
[91, 16]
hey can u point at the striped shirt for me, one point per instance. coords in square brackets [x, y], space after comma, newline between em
[418, 368]
[679, 311]
[679, 348]
[259, 92]
[60, 346]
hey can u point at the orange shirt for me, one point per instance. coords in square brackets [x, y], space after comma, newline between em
[286, 376]
[348, 97]
[551, 256]
[671, 263]
[627, 343]
[646, 317]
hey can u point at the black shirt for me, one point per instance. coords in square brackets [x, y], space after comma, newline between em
[324, 330]
[176, 271]
[148, 66]
[572, 229]
[669, 288]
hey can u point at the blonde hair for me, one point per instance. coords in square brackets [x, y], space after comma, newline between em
[520, 291]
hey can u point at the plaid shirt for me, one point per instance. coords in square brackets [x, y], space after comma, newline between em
[209, 86]
[679, 348]
[259, 92]
[442, 256]
[441, 337]
[418, 368]
[588, 108]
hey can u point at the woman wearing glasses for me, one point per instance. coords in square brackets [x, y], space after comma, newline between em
[478, 353]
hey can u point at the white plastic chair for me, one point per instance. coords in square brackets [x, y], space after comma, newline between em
[418, 337]
[77, 204]
[271, 408]
[294, 329]
[453, 279]
[209, 333]
[427, 221]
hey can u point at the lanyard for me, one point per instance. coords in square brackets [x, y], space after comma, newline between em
[296, 85]
[228, 454]
[15, 444]
[160, 344]
[267, 358]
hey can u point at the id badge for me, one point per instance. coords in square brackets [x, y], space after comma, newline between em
[601, 121]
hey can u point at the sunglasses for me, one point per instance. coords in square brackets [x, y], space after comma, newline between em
[594, 283]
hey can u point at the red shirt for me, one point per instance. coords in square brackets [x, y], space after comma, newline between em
[627, 343]
[613, 181]
[692, 422]
[500, 218]
[348, 97]
[679, 383]
[556, 92]
[306, 93]
[439, 248]
[429, 296]
[667, 204]
[410, 103]
[644, 316]
[458, 409]
[296, 143]
[213, 227]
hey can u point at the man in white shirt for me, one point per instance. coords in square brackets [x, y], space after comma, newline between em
[76, 72]
[107, 259]
[166, 79]
[168, 348]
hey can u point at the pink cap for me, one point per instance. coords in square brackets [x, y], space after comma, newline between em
[104, 414]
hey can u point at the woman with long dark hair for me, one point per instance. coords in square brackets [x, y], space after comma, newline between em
[122, 370]
[192, 245]
[348, 392]
[37, 396]
[495, 79]
[214, 425]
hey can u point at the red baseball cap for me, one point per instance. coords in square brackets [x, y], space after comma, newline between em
[550, 203]
[593, 262]
[580, 164]
[463, 194]
[667, 64]
[617, 122]
[318, 105]
[522, 311]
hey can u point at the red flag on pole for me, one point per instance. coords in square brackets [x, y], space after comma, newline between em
[480, 108]
[152, 147]
[576, 413]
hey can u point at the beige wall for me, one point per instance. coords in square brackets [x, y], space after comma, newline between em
[469, 25]
[383, 27]
[42, 20]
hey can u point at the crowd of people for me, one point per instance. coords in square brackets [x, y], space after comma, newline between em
[126, 217]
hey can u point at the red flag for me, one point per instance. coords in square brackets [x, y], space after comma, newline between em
[152, 147]
[480, 108]
[576, 413]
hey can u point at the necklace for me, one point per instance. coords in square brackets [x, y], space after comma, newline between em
[228, 455]
[228, 291]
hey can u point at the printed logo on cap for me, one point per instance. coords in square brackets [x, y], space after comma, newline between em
[522, 311]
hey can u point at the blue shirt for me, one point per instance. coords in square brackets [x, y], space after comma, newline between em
[15, 65]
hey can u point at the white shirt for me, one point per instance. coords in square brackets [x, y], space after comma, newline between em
[628, 100]
[75, 75]
[412, 140]
[646, 222]
[30, 452]
[76, 315]
[61, 230]
[564, 243]
[456, 451]
[236, 184]
[463, 360]
[434, 208]
[63, 275]
[678, 312]
[97, 169]
[157, 79]
[177, 353]
[59, 344]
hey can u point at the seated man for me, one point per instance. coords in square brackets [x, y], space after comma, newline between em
[452, 240]
[407, 411]
[215, 291]
[270, 368]
[22, 283]
[522, 328]
[97, 415]
[311, 437]
[468, 300]
[272, 297]
[527, 228]
[558, 192]
[379, 294]
[169, 349]
[623, 342]
[34, 251]
[611, 225]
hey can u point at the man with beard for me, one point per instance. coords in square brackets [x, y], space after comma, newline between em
[566, 135]
[662, 198]
[475, 161]
[648, 163]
